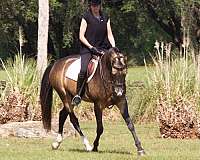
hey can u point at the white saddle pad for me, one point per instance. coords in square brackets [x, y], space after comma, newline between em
[74, 69]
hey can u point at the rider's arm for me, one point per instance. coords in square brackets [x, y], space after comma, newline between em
[110, 35]
[82, 31]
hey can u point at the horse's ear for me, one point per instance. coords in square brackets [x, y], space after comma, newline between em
[116, 49]
[126, 57]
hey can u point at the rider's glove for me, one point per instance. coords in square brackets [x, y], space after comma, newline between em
[95, 51]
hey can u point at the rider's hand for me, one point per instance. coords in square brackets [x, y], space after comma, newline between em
[95, 51]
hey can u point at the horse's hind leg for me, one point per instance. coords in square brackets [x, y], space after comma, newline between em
[62, 117]
[74, 121]
[98, 114]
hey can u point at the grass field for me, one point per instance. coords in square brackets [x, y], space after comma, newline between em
[136, 73]
[116, 144]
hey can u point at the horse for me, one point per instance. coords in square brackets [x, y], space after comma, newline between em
[106, 88]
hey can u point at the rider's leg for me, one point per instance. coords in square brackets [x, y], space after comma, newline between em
[85, 59]
[77, 98]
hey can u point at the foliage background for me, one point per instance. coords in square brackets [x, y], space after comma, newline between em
[136, 25]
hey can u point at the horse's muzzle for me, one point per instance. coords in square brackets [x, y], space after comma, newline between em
[119, 91]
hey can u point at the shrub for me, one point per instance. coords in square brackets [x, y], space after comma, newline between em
[22, 82]
[172, 93]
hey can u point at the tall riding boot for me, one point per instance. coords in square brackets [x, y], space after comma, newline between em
[79, 89]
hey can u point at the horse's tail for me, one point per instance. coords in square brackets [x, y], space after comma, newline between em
[46, 96]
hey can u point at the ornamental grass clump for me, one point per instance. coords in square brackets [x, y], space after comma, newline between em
[173, 92]
[19, 100]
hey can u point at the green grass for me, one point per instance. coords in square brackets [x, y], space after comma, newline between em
[3, 75]
[136, 74]
[115, 144]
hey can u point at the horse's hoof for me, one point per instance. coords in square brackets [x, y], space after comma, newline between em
[55, 145]
[87, 144]
[141, 153]
[95, 149]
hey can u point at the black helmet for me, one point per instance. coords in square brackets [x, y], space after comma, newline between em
[95, 2]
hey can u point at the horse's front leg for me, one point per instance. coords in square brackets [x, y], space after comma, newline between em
[123, 107]
[98, 114]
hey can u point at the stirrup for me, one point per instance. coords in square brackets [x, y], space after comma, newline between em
[76, 100]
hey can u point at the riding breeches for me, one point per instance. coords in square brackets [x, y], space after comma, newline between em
[85, 59]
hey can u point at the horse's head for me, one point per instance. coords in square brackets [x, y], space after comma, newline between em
[118, 63]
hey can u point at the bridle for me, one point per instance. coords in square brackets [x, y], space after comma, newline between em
[112, 82]
[119, 68]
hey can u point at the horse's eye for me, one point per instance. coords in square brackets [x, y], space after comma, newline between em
[117, 60]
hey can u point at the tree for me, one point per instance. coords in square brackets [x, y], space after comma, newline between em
[13, 14]
[171, 14]
[43, 24]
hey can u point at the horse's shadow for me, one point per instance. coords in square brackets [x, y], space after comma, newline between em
[100, 152]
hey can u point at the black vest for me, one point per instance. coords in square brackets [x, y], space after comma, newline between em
[96, 32]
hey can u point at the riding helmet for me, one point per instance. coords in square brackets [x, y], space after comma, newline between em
[95, 2]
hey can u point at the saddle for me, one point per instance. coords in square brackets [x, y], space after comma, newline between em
[74, 69]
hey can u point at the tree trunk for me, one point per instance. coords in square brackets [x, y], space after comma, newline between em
[43, 24]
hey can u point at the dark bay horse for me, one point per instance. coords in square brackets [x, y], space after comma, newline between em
[106, 88]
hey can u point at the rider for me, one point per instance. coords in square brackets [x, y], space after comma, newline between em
[95, 35]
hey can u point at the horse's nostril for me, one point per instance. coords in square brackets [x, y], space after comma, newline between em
[119, 94]
[119, 91]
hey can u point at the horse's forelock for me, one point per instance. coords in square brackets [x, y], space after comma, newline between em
[114, 49]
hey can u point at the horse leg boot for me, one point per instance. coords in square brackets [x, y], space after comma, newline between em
[79, 89]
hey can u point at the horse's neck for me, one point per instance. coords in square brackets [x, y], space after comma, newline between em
[103, 69]
[102, 79]
[106, 67]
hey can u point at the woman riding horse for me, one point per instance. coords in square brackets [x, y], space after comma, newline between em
[95, 35]
[106, 88]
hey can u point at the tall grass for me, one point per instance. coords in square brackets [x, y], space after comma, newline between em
[174, 76]
[22, 77]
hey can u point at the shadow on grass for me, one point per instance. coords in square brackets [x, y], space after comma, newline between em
[100, 152]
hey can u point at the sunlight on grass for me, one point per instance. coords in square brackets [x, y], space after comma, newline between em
[116, 143]
[136, 74]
